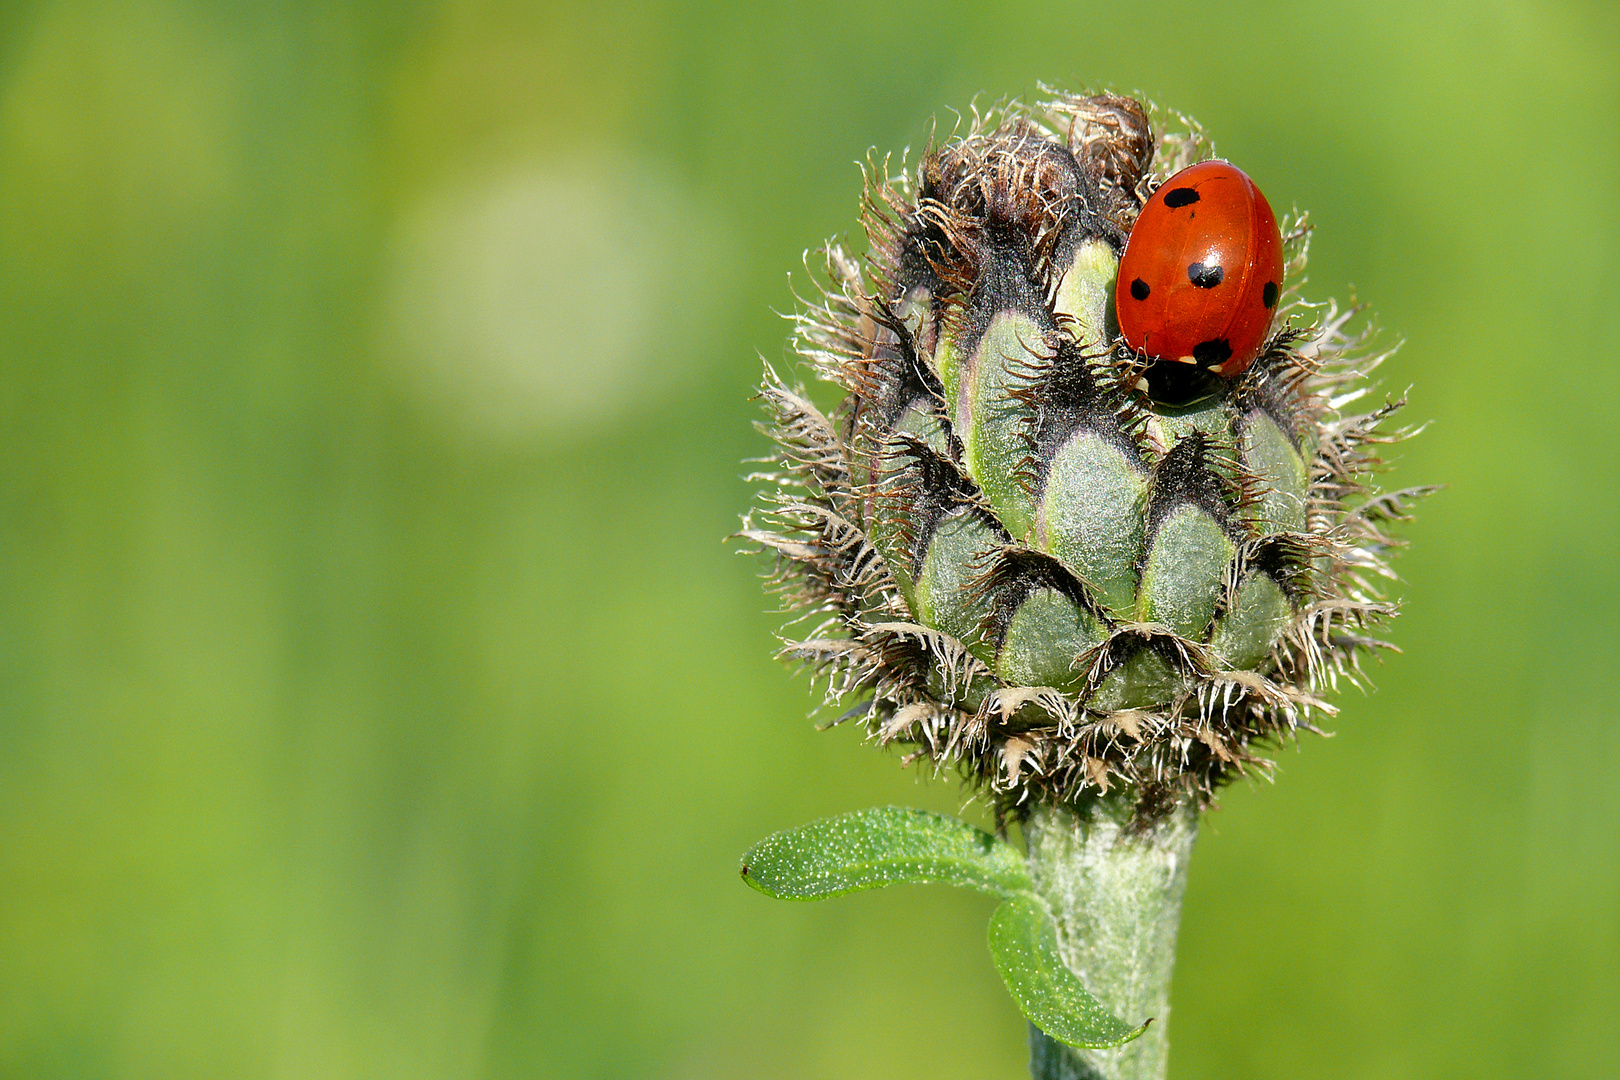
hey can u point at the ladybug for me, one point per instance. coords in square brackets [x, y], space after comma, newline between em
[1199, 279]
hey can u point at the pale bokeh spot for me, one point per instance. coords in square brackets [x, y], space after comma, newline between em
[552, 297]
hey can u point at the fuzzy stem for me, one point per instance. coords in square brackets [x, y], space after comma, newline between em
[1115, 889]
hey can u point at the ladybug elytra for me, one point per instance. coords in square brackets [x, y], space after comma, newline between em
[1201, 273]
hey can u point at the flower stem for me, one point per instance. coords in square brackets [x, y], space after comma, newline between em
[1115, 888]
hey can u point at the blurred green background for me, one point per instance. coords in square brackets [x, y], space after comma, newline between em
[380, 699]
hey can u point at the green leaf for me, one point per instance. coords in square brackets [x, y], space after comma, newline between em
[1024, 943]
[882, 846]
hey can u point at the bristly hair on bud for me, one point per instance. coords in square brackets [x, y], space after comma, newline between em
[1023, 549]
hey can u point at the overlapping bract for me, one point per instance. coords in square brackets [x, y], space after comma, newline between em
[1031, 553]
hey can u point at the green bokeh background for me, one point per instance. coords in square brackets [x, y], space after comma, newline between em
[380, 699]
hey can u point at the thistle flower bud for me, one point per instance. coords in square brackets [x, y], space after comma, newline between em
[1024, 548]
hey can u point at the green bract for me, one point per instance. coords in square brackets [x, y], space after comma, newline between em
[1025, 549]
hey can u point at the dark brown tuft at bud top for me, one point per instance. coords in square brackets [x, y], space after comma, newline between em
[1022, 548]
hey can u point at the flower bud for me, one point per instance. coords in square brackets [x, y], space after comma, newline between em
[1023, 548]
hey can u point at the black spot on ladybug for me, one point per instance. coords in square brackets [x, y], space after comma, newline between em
[1212, 353]
[1139, 290]
[1176, 198]
[1268, 295]
[1205, 277]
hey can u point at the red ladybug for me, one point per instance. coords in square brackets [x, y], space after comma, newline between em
[1200, 276]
